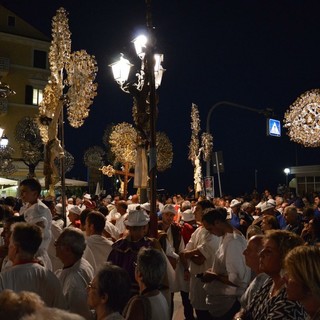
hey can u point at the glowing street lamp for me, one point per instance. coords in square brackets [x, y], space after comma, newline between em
[148, 79]
[287, 172]
[121, 70]
[4, 141]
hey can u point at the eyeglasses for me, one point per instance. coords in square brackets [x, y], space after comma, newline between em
[90, 286]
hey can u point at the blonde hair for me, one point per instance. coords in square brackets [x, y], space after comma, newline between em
[302, 263]
[16, 305]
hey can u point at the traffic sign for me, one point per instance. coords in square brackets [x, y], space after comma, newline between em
[273, 128]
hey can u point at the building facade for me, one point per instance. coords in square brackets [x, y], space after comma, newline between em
[24, 67]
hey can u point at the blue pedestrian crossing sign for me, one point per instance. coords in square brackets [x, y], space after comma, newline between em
[274, 128]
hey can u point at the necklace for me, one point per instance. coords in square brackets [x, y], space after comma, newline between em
[274, 292]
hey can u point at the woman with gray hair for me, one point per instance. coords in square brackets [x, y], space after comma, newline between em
[150, 304]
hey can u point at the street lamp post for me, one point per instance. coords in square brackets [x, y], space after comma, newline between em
[144, 92]
[265, 112]
[287, 172]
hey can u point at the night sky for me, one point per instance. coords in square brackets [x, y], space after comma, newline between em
[261, 54]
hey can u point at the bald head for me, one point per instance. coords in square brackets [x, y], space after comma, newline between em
[257, 241]
[135, 198]
[251, 253]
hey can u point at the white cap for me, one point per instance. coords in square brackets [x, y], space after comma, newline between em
[75, 209]
[266, 206]
[235, 203]
[137, 218]
[187, 215]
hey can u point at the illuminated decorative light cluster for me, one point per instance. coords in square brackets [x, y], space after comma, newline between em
[123, 141]
[207, 143]
[70, 85]
[5, 91]
[108, 170]
[27, 134]
[303, 119]
[164, 151]
[7, 167]
[68, 162]
[195, 129]
[93, 157]
[80, 69]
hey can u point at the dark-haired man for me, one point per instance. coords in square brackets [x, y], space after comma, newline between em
[99, 245]
[36, 212]
[198, 254]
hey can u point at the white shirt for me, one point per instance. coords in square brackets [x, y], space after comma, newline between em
[112, 230]
[207, 244]
[35, 278]
[74, 281]
[132, 206]
[113, 215]
[56, 262]
[229, 261]
[120, 223]
[35, 214]
[100, 247]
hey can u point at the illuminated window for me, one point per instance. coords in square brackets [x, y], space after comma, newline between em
[33, 96]
[37, 96]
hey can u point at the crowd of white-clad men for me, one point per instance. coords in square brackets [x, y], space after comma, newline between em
[214, 253]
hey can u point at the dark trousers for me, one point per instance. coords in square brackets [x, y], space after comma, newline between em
[203, 314]
[187, 307]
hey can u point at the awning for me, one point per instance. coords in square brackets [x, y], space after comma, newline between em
[8, 182]
[68, 182]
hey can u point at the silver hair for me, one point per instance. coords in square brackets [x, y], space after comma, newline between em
[152, 266]
[186, 205]
[74, 238]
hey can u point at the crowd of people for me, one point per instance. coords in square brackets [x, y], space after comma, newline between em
[251, 257]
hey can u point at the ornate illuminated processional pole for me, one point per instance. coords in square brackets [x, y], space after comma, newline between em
[195, 149]
[145, 107]
[70, 85]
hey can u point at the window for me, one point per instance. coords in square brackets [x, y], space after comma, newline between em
[39, 59]
[11, 21]
[33, 95]
[36, 96]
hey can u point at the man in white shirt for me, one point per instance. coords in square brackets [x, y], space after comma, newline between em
[27, 274]
[36, 212]
[99, 245]
[76, 273]
[122, 210]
